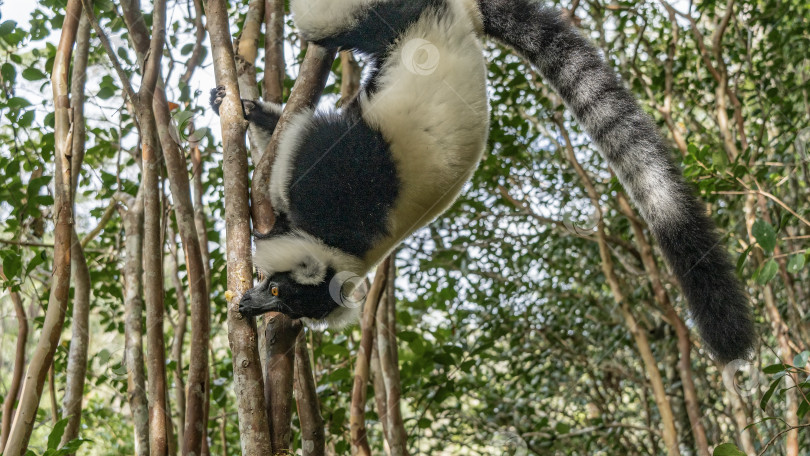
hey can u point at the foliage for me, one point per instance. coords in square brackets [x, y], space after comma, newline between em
[509, 336]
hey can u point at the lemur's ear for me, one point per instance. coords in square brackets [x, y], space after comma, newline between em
[309, 271]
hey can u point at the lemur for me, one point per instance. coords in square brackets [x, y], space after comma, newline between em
[349, 185]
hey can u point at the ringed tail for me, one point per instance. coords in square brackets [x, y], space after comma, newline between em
[630, 142]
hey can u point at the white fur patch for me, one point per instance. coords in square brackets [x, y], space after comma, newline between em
[338, 319]
[317, 19]
[309, 272]
[431, 107]
[288, 252]
[291, 139]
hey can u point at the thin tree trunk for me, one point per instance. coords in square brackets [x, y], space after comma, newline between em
[247, 48]
[80, 338]
[79, 342]
[313, 439]
[42, 357]
[389, 367]
[357, 418]
[19, 364]
[133, 323]
[179, 337]
[274, 51]
[152, 244]
[380, 398]
[253, 427]
[281, 334]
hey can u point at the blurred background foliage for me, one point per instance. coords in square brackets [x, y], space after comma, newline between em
[510, 339]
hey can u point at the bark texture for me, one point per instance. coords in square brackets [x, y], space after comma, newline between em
[42, 358]
[253, 428]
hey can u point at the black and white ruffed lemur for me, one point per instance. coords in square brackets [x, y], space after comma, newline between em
[348, 186]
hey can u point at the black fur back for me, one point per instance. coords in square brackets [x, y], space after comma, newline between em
[342, 154]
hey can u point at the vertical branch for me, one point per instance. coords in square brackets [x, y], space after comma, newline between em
[19, 364]
[350, 77]
[133, 324]
[274, 51]
[173, 260]
[380, 398]
[313, 439]
[389, 367]
[152, 244]
[357, 418]
[42, 357]
[247, 48]
[281, 334]
[305, 94]
[253, 427]
[79, 341]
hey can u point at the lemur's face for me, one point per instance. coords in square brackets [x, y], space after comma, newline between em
[281, 292]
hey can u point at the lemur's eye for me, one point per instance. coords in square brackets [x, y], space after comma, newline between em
[274, 291]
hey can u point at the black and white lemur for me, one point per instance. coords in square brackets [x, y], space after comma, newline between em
[349, 186]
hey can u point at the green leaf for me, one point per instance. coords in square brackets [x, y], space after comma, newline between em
[767, 396]
[742, 258]
[765, 234]
[106, 93]
[727, 449]
[800, 360]
[33, 74]
[767, 272]
[8, 72]
[56, 433]
[796, 263]
[803, 408]
[7, 27]
[12, 264]
[774, 368]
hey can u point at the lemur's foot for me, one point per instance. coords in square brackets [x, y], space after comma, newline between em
[250, 107]
[217, 95]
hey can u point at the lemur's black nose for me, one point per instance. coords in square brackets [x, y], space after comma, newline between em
[244, 305]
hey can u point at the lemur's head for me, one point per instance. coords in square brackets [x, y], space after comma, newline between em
[292, 294]
[305, 279]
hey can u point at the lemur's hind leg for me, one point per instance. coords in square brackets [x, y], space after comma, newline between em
[263, 116]
[368, 26]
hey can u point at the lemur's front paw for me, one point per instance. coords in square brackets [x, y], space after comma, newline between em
[217, 95]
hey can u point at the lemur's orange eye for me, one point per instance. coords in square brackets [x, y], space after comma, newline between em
[274, 291]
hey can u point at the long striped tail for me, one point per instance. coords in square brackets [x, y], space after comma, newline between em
[632, 146]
